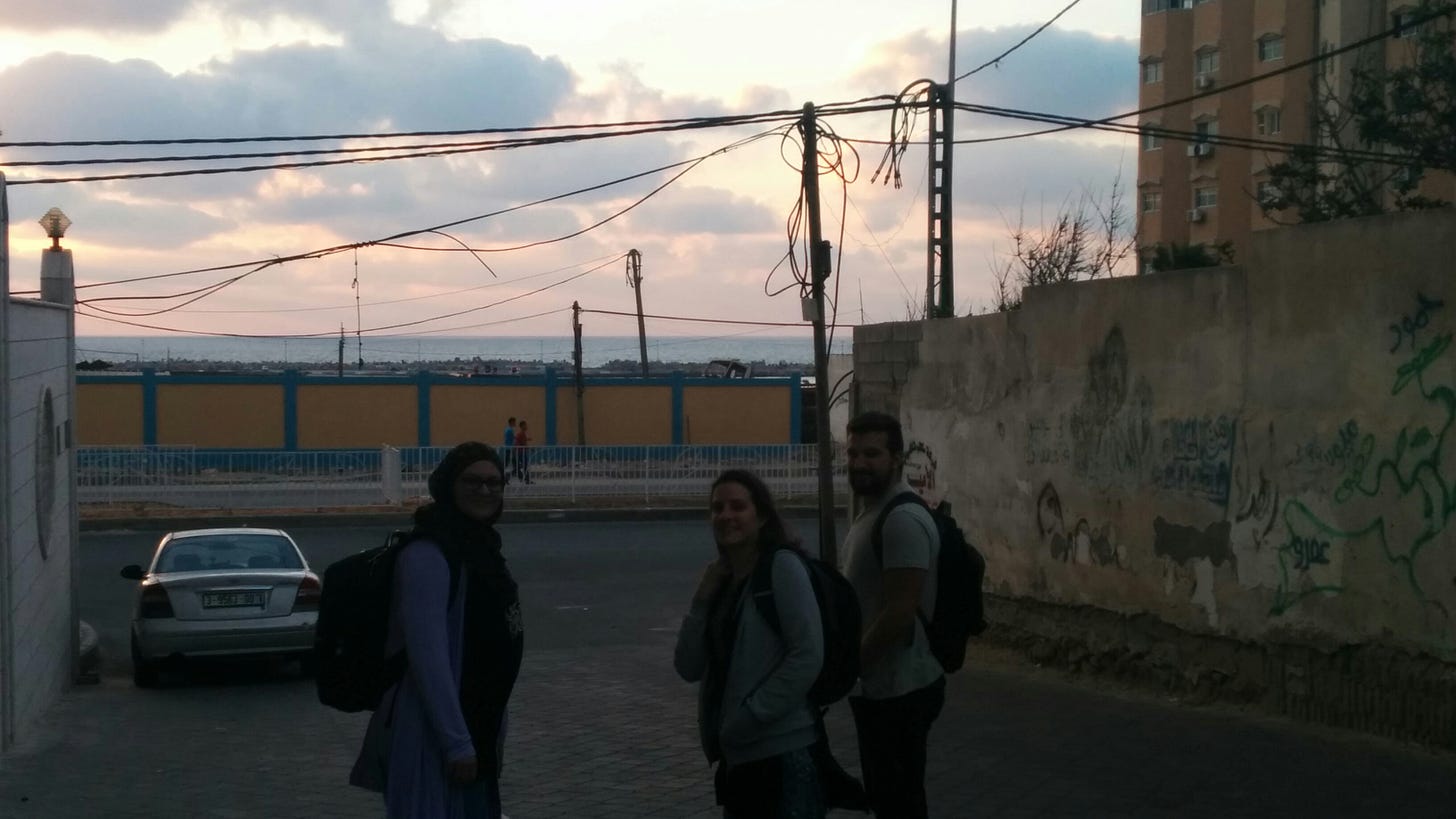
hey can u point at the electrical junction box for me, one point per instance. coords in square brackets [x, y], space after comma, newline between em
[810, 309]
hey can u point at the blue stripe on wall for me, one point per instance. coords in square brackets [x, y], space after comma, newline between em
[550, 406]
[549, 382]
[149, 407]
[422, 392]
[796, 409]
[677, 408]
[290, 410]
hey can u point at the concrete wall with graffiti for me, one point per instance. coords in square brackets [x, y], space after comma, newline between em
[1263, 452]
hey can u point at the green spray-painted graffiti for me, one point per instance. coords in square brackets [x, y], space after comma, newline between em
[1413, 469]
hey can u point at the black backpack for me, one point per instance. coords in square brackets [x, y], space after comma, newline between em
[960, 612]
[839, 614]
[353, 624]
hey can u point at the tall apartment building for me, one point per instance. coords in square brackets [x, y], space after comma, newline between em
[1201, 192]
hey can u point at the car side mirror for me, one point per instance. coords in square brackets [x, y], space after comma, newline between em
[133, 572]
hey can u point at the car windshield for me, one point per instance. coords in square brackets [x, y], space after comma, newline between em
[210, 553]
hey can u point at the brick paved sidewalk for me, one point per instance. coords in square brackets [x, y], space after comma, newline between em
[607, 731]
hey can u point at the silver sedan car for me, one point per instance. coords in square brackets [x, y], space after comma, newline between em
[222, 592]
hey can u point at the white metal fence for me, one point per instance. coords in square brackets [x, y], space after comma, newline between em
[188, 477]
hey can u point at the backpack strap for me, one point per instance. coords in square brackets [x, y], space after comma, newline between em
[760, 588]
[401, 538]
[877, 536]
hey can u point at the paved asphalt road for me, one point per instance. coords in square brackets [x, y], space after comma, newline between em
[601, 727]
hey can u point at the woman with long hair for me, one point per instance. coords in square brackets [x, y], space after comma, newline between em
[435, 743]
[754, 716]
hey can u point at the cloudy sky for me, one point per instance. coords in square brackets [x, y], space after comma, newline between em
[710, 239]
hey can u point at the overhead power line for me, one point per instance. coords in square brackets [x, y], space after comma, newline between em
[1028, 38]
[605, 130]
[1078, 122]
[798, 324]
[378, 153]
[1251, 143]
[532, 129]
[289, 336]
[440, 295]
[386, 240]
[81, 306]
[706, 122]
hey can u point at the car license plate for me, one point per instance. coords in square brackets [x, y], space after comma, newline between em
[233, 599]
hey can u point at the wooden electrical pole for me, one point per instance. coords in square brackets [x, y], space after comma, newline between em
[580, 387]
[820, 266]
[634, 281]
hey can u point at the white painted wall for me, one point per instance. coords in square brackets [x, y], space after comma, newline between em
[40, 504]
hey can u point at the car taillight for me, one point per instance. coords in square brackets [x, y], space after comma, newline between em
[155, 602]
[309, 592]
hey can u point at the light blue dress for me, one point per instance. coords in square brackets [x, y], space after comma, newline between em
[419, 726]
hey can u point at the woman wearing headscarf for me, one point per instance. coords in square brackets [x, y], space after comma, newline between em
[754, 715]
[435, 743]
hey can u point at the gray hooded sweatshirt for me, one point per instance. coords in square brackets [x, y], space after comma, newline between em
[765, 709]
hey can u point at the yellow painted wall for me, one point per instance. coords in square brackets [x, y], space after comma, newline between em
[735, 415]
[616, 416]
[368, 415]
[108, 415]
[479, 413]
[357, 416]
[219, 415]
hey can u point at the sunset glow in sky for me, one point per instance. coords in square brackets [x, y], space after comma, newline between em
[171, 69]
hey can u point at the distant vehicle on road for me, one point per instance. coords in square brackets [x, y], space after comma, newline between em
[727, 368]
[222, 592]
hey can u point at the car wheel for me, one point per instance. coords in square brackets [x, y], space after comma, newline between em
[143, 671]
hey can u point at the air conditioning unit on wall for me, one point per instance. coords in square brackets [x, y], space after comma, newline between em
[1203, 82]
[1199, 149]
[1195, 215]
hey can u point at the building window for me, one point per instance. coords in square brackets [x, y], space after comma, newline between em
[1268, 194]
[1268, 121]
[1152, 201]
[1152, 140]
[1403, 21]
[1206, 61]
[1155, 6]
[1206, 197]
[1271, 48]
[1152, 71]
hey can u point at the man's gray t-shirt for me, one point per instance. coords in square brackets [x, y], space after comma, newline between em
[910, 542]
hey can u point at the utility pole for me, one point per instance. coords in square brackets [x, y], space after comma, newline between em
[634, 281]
[940, 265]
[938, 268]
[341, 351]
[820, 265]
[580, 387]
